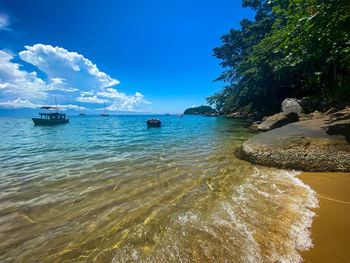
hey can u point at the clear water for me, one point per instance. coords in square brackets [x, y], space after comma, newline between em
[107, 189]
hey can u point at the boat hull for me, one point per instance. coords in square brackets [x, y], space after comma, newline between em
[40, 121]
[153, 123]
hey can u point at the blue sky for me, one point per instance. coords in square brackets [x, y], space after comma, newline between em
[134, 56]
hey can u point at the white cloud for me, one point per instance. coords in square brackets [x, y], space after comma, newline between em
[58, 62]
[193, 106]
[15, 82]
[60, 84]
[70, 106]
[93, 99]
[123, 102]
[18, 103]
[68, 75]
[87, 93]
[4, 22]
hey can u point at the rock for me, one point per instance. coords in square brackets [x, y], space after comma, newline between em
[236, 115]
[316, 114]
[291, 105]
[340, 115]
[340, 128]
[331, 110]
[278, 120]
[241, 115]
[254, 126]
[339, 124]
[320, 144]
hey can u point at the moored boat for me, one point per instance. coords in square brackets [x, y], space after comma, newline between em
[153, 123]
[50, 118]
[104, 114]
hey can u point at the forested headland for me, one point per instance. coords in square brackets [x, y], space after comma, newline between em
[201, 110]
[293, 48]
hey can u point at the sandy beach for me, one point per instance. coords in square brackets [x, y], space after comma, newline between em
[331, 227]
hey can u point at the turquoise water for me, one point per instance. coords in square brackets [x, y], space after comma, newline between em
[107, 189]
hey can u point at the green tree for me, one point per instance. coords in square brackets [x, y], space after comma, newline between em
[293, 48]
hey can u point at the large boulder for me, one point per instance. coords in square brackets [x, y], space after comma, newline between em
[278, 120]
[291, 105]
[321, 144]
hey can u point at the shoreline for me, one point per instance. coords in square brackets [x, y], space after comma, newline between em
[330, 231]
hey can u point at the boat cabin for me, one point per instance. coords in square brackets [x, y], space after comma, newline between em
[52, 116]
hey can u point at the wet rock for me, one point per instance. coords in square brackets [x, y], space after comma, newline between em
[291, 105]
[254, 126]
[278, 120]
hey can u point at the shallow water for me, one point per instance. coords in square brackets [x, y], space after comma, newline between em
[107, 189]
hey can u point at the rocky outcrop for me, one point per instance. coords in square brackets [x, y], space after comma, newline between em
[278, 120]
[291, 105]
[339, 124]
[242, 115]
[320, 144]
[254, 126]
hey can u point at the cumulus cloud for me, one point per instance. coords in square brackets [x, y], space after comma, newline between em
[15, 82]
[93, 99]
[70, 106]
[18, 103]
[68, 75]
[58, 62]
[123, 102]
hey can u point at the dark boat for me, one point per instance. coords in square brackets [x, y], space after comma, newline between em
[82, 114]
[50, 118]
[104, 114]
[153, 123]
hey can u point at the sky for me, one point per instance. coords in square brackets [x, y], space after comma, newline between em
[128, 56]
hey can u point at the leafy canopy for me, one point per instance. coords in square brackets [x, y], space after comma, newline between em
[293, 48]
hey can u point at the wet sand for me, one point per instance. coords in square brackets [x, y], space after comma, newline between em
[330, 230]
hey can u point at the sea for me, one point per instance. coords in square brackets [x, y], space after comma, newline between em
[108, 189]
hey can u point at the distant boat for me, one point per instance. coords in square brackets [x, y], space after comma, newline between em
[180, 115]
[153, 123]
[50, 118]
[82, 114]
[167, 114]
[105, 113]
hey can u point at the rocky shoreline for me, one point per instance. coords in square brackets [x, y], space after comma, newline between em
[314, 142]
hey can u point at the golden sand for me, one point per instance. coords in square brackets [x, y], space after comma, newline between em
[331, 227]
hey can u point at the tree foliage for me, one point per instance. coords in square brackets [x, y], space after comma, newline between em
[201, 110]
[293, 48]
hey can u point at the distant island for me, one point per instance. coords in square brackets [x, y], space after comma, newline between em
[201, 110]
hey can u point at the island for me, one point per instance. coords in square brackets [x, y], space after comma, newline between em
[201, 110]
